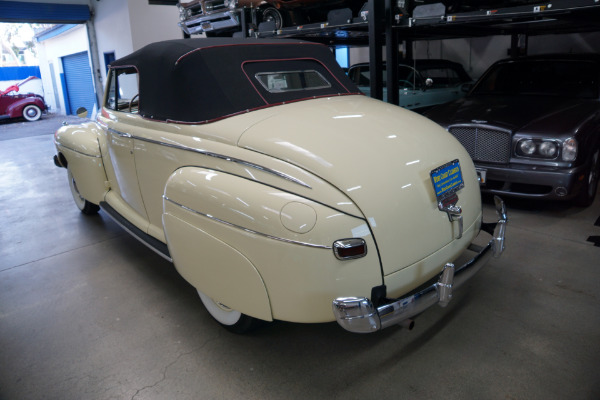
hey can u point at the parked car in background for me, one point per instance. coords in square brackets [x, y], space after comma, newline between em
[422, 83]
[222, 17]
[282, 192]
[532, 126]
[27, 105]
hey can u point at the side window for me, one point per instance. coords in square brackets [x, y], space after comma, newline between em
[360, 76]
[407, 78]
[364, 78]
[123, 92]
[442, 77]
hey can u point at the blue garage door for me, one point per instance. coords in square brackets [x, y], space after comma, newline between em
[78, 83]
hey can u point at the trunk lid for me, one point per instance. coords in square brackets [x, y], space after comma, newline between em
[380, 156]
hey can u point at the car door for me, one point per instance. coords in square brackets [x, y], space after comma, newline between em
[125, 195]
[412, 88]
[5, 102]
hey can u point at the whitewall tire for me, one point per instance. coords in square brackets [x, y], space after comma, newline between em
[230, 319]
[84, 206]
[32, 113]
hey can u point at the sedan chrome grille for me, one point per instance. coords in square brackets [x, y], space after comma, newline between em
[211, 7]
[484, 144]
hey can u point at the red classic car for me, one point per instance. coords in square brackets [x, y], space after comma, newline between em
[28, 105]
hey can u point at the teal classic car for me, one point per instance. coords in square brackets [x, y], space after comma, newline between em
[422, 83]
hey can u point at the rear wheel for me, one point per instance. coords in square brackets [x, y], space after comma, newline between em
[590, 186]
[232, 320]
[32, 112]
[85, 206]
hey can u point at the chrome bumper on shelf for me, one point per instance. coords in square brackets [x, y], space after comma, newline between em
[359, 315]
[210, 22]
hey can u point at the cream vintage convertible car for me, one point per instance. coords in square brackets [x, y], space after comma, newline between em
[276, 188]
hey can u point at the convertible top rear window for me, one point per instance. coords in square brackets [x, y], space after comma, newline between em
[292, 79]
[288, 81]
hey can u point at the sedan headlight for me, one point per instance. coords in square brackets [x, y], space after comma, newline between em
[569, 152]
[527, 147]
[548, 149]
[538, 148]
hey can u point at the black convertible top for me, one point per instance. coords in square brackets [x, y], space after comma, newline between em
[202, 80]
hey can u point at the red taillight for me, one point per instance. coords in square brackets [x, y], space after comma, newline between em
[348, 249]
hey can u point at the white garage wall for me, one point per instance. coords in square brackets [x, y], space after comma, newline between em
[477, 54]
[125, 26]
[581, 43]
[113, 31]
[50, 51]
[120, 27]
[152, 23]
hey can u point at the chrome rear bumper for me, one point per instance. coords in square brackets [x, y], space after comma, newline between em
[359, 315]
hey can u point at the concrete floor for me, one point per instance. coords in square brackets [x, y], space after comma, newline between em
[86, 312]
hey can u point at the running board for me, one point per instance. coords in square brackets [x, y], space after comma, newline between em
[151, 242]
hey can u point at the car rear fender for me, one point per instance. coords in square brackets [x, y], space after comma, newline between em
[78, 148]
[260, 250]
[205, 261]
[215, 268]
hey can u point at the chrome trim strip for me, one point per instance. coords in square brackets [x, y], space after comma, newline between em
[119, 133]
[317, 246]
[218, 156]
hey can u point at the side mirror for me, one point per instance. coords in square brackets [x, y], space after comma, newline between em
[82, 112]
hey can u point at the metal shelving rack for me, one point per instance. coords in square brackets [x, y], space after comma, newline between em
[381, 25]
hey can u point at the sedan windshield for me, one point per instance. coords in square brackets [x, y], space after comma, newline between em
[574, 79]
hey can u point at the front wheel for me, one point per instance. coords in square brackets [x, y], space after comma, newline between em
[85, 206]
[32, 112]
[590, 186]
[232, 320]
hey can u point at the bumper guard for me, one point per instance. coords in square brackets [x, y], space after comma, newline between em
[359, 315]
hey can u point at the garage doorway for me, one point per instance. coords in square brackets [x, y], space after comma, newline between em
[78, 83]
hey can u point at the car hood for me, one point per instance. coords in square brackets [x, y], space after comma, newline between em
[517, 113]
[380, 156]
